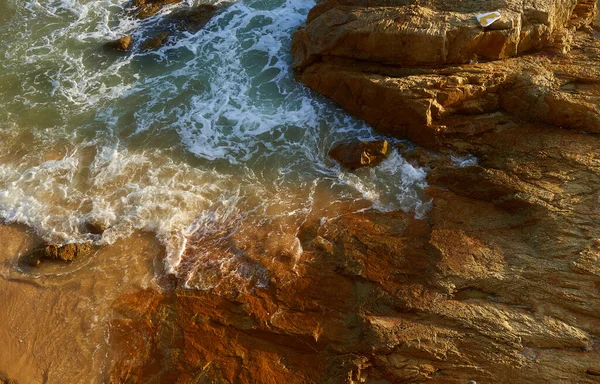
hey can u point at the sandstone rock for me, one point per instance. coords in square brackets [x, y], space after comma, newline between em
[122, 44]
[360, 154]
[484, 289]
[499, 283]
[340, 54]
[66, 253]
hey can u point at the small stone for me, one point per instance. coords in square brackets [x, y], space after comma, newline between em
[360, 154]
[67, 253]
[123, 44]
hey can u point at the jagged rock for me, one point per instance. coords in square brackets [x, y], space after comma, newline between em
[189, 19]
[123, 44]
[498, 284]
[360, 154]
[398, 68]
[67, 253]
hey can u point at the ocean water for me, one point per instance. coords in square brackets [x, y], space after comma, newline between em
[197, 139]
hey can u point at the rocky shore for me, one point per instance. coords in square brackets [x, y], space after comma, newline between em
[499, 283]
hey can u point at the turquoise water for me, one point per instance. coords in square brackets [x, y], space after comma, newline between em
[204, 135]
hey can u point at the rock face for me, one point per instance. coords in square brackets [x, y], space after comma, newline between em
[360, 154]
[396, 66]
[499, 283]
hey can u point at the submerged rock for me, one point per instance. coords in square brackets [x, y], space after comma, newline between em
[190, 19]
[360, 154]
[67, 253]
[156, 41]
[95, 227]
[147, 8]
[123, 44]
[193, 18]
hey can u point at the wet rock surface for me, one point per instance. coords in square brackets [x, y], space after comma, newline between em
[56, 252]
[167, 28]
[499, 283]
[123, 44]
[360, 154]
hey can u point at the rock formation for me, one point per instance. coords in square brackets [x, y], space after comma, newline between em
[189, 19]
[499, 283]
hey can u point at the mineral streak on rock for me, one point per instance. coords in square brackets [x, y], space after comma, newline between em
[500, 283]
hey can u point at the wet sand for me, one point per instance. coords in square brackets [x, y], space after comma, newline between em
[54, 319]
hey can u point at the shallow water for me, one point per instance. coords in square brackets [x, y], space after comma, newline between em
[209, 132]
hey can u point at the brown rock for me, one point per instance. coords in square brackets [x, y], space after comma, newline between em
[67, 253]
[194, 18]
[373, 68]
[360, 154]
[500, 282]
[122, 44]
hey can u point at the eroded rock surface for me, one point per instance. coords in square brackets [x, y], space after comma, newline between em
[499, 283]
[416, 97]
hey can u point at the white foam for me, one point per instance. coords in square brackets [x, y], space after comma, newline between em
[225, 94]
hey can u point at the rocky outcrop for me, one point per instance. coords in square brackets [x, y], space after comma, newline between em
[499, 283]
[360, 154]
[169, 27]
[397, 66]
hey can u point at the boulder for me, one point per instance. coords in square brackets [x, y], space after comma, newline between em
[123, 44]
[360, 154]
[193, 18]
